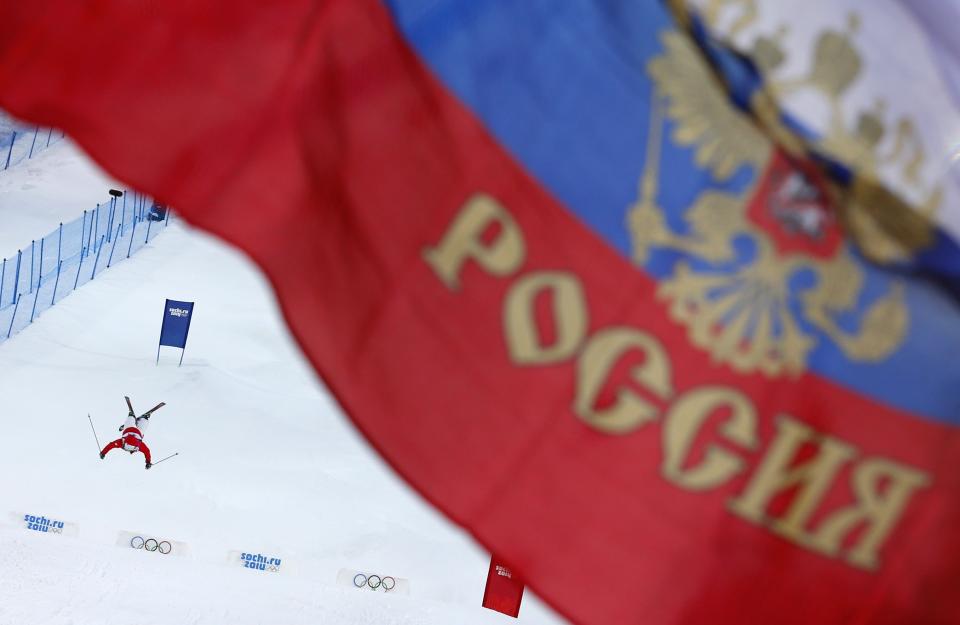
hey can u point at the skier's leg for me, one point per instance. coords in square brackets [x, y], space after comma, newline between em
[142, 423]
[129, 423]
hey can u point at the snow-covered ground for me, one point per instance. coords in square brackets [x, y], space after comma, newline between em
[55, 186]
[267, 464]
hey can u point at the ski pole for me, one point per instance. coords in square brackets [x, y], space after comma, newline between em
[95, 437]
[167, 458]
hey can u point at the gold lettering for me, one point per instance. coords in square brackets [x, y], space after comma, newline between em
[682, 424]
[593, 368]
[520, 324]
[813, 478]
[463, 241]
[880, 512]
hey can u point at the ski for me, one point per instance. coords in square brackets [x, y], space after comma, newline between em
[152, 410]
[129, 405]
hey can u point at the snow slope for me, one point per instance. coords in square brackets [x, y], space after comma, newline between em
[267, 464]
[55, 186]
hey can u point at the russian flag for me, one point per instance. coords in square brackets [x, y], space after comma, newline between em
[625, 323]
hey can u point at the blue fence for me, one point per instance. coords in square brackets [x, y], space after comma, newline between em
[19, 142]
[47, 270]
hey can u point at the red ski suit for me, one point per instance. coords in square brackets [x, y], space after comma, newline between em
[131, 440]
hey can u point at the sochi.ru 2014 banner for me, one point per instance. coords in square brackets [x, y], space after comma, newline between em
[175, 327]
[256, 561]
[657, 300]
[45, 525]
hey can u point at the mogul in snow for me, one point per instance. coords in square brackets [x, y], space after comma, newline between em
[131, 434]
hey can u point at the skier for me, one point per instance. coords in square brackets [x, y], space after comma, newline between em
[131, 437]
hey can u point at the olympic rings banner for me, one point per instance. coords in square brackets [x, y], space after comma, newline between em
[377, 581]
[150, 543]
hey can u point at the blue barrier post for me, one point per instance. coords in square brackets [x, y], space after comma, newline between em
[83, 233]
[40, 272]
[110, 218]
[16, 278]
[10, 151]
[16, 305]
[132, 232]
[33, 310]
[49, 132]
[114, 246]
[146, 239]
[79, 267]
[89, 233]
[3, 274]
[59, 241]
[96, 224]
[32, 246]
[93, 274]
[34, 142]
[56, 283]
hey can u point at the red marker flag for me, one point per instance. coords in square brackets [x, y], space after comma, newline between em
[503, 591]
[599, 315]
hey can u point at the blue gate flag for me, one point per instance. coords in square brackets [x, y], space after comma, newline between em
[176, 325]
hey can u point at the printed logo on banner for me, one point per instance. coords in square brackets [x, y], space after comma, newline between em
[178, 312]
[256, 561]
[40, 523]
[378, 582]
[153, 544]
[43, 524]
[503, 592]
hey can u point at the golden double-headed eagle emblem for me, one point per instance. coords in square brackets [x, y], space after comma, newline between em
[745, 307]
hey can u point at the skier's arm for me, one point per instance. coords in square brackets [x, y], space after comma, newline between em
[146, 451]
[113, 445]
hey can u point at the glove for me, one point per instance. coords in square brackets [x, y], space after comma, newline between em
[102, 456]
[147, 466]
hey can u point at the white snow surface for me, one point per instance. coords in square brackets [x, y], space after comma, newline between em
[55, 186]
[268, 463]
